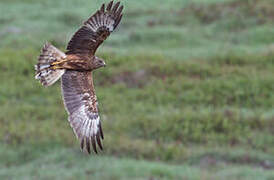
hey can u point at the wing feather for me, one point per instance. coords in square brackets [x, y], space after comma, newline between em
[81, 104]
[95, 30]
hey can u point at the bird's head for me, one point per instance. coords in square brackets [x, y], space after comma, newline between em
[98, 62]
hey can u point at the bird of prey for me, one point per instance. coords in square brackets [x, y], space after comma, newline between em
[75, 67]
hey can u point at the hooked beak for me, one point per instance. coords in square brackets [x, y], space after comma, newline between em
[105, 64]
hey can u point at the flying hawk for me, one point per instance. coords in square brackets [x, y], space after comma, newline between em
[75, 67]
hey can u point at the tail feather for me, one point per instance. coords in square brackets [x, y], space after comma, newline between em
[44, 70]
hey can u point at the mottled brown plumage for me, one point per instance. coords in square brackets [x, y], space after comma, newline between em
[75, 69]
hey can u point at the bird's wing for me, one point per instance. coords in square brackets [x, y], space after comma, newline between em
[96, 29]
[81, 104]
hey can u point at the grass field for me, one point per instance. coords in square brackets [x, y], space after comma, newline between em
[187, 93]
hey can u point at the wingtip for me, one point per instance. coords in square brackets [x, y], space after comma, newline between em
[115, 7]
[119, 11]
[93, 142]
[88, 145]
[101, 131]
[99, 142]
[121, 7]
[103, 8]
[82, 144]
[109, 5]
[118, 21]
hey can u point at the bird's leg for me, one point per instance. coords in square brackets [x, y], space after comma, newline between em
[58, 62]
[56, 67]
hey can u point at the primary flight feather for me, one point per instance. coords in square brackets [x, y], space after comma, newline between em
[75, 67]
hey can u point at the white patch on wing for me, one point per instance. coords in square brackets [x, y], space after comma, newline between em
[95, 125]
[88, 25]
[89, 122]
[103, 20]
[110, 25]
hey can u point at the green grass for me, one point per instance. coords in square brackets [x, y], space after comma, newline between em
[188, 86]
[63, 163]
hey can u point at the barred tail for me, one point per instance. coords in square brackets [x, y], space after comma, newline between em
[44, 69]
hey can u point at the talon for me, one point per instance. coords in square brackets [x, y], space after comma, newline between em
[54, 63]
[55, 67]
[58, 62]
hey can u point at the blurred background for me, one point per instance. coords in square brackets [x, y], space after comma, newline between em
[187, 93]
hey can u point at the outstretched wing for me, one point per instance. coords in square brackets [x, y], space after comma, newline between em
[81, 104]
[96, 29]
